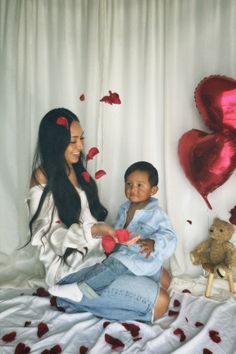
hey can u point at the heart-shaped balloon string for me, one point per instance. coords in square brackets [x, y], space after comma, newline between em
[208, 160]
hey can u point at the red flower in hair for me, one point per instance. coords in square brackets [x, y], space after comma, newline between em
[92, 152]
[113, 98]
[86, 176]
[62, 121]
[232, 219]
[99, 174]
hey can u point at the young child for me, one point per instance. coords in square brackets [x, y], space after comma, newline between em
[142, 216]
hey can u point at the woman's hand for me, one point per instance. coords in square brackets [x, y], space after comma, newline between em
[102, 229]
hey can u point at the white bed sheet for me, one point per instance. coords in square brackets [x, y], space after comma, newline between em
[202, 325]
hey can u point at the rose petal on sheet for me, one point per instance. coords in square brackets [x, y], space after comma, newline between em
[9, 337]
[180, 332]
[132, 328]
[207, 351]
[114, 342]
[83, 349]
[42, 329]
[214, 335]
[56, 349]
[41, 292]
[199, 324]
[27, 323]
[176, 303]
[21, 348]
[106, 323]
[173, 313]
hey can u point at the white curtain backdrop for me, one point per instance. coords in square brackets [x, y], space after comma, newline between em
[153, 53]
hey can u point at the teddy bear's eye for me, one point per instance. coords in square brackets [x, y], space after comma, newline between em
[211, 230]
[221, 230]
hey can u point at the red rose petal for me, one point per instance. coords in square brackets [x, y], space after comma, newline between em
[106, 323]
[83, 349]
[232, 219]
[42, 329]
[91, 153]
[132, 328]
[27, 323]
[176, 303]
[189, 221]
[82, 97]
[41, 292]
[122, 235]
[56, 349]
[114, 342]
[180, 332]
[86, 176]
[21, 348]
[100, 174]
[113, 98]
[173, 313]
[214, 335]
[186, 291]
[199, 324]
[9, 337]
[207, 351]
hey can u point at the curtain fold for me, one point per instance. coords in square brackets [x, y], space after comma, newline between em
[153, 53]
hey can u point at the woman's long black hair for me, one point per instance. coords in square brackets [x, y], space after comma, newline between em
[53, 140]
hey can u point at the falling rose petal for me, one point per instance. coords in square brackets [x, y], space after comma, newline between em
[232, 219]
[99, 174]
[199, 324]
[91, 153]
[9, 337]
[41, 292]
[186, 291]
[173, 313]
[114, 342]
[42, 329]
[82, 97]
[21, 348]
[113, 98]
[27, 323]
[105, 324]
[83, 349]
[214, 335]
[207, 351]
[132, 328]
[189, 221]
[86, 176]
[176, 303]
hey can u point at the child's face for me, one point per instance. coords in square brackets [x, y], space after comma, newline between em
[138, 188]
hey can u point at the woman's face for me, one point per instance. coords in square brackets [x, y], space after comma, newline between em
[73, 150]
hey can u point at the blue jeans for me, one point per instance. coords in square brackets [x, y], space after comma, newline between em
[122, 296]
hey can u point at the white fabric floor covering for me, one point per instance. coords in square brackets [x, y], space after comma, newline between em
[201, 325]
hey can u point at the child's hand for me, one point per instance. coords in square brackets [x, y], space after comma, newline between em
[132, 241]
[101, 229]
[147, 246]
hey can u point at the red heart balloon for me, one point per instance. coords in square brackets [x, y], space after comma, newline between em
[208, 160]
[215, 98]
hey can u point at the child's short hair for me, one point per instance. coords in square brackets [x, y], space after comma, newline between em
[144, 167]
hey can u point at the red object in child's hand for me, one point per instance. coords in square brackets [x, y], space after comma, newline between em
[108, 242]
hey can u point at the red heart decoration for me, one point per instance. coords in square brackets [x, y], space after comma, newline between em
[215, 97]
[208, 160]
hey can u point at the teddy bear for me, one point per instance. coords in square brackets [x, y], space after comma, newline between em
[216, 254]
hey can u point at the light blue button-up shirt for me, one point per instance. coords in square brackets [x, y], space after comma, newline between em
[152, 223]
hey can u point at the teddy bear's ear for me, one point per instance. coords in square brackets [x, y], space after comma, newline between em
[216, 219]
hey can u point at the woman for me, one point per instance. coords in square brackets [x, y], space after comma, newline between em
[67, 219]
